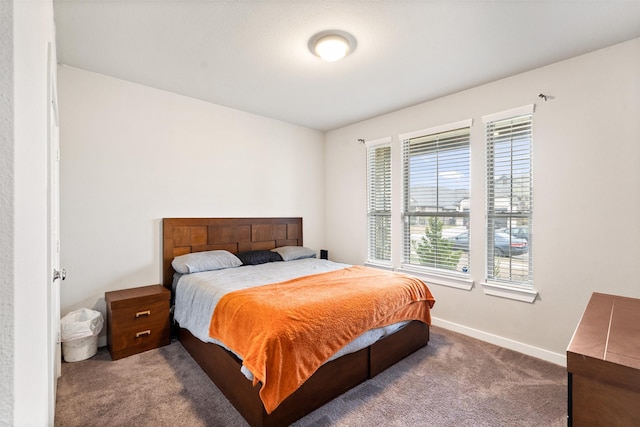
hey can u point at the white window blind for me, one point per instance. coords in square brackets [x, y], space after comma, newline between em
[509, 196]
[379, 202]
[436, 187]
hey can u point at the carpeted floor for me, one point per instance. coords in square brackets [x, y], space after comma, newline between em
[454, 381]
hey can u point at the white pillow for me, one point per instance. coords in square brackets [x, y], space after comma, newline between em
[205, 261]
[289, 253]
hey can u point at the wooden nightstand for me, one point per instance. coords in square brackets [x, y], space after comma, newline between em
[137, 320]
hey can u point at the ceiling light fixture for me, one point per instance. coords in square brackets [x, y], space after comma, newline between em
[332, 45]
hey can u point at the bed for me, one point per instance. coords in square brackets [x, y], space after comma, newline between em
[237, 235]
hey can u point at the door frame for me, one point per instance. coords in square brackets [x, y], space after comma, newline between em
[53, 233]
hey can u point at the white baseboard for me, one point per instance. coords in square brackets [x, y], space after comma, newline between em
[558, 359]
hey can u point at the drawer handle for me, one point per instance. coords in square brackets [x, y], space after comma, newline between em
[143, 313]
[147, 332]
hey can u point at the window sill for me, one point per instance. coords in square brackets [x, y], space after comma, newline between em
[380, 266]
[510, 292]
[458, 282]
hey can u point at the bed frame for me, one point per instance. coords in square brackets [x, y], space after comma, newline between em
[186, 235]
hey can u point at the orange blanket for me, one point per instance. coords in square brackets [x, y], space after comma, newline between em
[284, 332]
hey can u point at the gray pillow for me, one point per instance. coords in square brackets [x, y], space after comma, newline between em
[289, 253]
[205, 261]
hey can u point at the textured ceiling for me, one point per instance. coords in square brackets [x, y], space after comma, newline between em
[252, 55]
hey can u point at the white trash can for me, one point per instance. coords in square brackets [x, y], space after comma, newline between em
[80, 349]
[79, 334]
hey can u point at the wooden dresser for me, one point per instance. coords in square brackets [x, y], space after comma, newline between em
[603, 362]
[137, 320]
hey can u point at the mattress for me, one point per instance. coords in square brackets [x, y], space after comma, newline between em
[197, 294]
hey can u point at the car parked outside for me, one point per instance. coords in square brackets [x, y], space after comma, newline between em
[505, 245]
[521, 232]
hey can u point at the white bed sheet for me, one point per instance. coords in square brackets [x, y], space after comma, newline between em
[197, 294]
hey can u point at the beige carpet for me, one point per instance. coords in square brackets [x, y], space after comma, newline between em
[454, 381]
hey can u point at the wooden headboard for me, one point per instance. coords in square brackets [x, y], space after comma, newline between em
[185, 235]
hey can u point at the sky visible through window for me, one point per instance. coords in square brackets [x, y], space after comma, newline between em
[442, 169]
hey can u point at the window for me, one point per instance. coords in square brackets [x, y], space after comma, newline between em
[379, 201]
[509, 197]
[436, 187]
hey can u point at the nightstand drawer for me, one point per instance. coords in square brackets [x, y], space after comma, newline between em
[138, 338]
[137, 320]
[140, 315]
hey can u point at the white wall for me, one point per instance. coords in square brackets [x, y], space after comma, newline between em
[586, 194]
[132, 155]
[6, 214]
[25, 390]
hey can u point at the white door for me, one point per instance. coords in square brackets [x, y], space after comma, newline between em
[53, 294]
